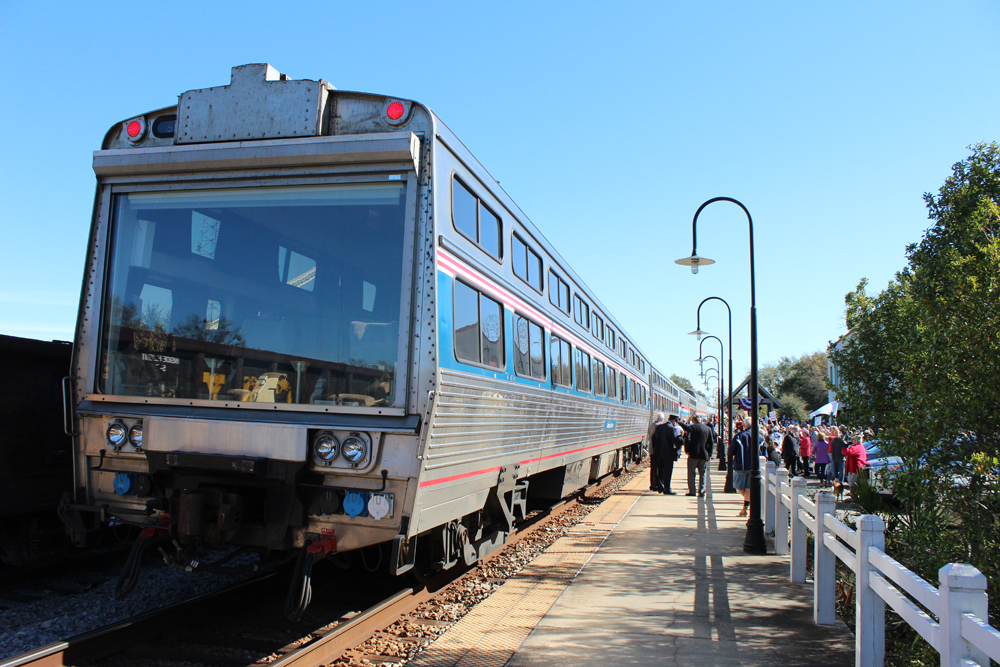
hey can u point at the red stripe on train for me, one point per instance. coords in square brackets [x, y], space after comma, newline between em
[464, 475]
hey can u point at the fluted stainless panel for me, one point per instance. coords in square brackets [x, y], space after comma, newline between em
[481, 422]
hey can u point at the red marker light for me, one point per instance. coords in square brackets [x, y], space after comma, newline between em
[395, 111]
[134, 129]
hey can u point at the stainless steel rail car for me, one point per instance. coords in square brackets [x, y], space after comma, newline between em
[311, 318]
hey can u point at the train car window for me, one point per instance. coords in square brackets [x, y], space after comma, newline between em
[466, 323]
[598, 326]
[566, 362]
[583, 377]
[599, 374]
[474, 220]
[529, 349]
[463, 210]
[560, 364]
[489, 230]
[478, 327]
[558, 292]
[622, 387]
[491, 327]
[534, 270]
[631, 391]
[582, 313]
[610, 342]
[292, 292]
[527, 263]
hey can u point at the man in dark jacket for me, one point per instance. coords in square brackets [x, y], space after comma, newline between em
[664, 450]
[655, 483]
[790, 450]
[699, 450]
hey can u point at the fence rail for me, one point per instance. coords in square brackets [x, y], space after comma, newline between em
[951, 617]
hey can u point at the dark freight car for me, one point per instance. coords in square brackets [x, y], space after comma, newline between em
[35, 452]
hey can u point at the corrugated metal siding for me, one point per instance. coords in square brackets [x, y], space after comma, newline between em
[481, 422]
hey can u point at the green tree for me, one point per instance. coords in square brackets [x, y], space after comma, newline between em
[804, 377]
[683, 383]
[792, 407]
[920, 366]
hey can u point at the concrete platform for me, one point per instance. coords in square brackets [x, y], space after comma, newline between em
[648, 579]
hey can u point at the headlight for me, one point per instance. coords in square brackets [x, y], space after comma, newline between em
[135, 435]
[355, 449]
[116, 435]
[326, 448]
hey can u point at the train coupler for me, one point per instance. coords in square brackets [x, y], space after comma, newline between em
[300, 591]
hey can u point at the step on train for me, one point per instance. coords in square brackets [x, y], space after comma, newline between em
[311, 322]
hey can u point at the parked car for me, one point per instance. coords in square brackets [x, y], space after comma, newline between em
[881, 467]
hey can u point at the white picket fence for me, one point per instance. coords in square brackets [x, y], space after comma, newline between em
[952, 618]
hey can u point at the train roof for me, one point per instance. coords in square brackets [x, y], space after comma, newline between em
[254, 76]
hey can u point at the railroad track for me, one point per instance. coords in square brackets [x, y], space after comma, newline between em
[242, 625]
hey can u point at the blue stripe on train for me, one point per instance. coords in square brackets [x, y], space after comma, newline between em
[446, 346]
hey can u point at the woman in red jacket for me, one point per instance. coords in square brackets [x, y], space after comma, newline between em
[805, 450]
[855, 458]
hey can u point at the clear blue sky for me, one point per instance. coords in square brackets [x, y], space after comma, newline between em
[609, 123]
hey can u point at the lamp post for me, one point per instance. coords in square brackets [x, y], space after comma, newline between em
[721, 435]
[754, 543]
[718, 392]
[729, 405]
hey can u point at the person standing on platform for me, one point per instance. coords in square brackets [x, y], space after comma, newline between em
[740, 460]
[821, 456]
[837, 454]
[790, 450]
[805, 450]
[699, 451]
[655, 484]
[855, 459]
[666, 453]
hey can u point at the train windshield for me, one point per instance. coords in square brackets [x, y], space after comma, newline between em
[265, 295]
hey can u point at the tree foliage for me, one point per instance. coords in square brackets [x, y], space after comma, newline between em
[792, 407]
[920, 366]
[804, 378]
[683, 383]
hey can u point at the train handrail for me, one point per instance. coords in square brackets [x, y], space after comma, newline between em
[67, 408]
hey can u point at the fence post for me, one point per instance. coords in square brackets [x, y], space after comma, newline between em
[869, 608]
[798, 571]
[769, 499]
[780, 516]
[963, 591]
[824, 564]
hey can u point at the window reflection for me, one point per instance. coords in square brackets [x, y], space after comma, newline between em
[196, 309]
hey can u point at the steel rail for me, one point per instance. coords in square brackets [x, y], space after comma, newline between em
[104, 641]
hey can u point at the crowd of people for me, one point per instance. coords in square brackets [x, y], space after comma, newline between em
[833, 455]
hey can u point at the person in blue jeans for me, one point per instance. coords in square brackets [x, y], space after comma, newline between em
[837, 453]
[821, 457]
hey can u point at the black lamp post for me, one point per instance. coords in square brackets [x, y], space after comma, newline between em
[718, 367]
[754, 543]
[729, 406]
[722, 436]
[718, 397]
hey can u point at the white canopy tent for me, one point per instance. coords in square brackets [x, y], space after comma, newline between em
[830, 409]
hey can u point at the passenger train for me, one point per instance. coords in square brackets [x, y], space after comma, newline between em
[312, 322]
